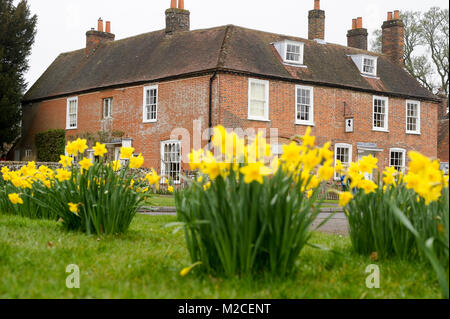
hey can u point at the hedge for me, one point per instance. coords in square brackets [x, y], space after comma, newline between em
[50, 145]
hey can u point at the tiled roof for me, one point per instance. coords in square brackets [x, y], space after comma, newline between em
[156, 56]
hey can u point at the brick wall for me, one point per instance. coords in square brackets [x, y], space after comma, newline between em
[185, 100]
[329, 117]
[180, 102]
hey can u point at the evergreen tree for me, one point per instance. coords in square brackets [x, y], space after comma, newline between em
[17, 32]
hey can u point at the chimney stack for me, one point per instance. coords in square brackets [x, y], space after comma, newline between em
[442, 112]
[316, 19]
[177, 18]
[94, 39]
[393, 38]
[357, 36]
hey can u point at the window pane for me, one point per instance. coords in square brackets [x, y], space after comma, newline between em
[379, 113]
[258, 101]
[171, 165]
[303, 104]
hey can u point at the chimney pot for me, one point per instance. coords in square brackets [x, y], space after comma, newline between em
[359, 23]
[389, 16]
[181, 4]
[316, 4]
[353, 24]
[173, 4]
[100, 25]
[108, 26]
[396, 14]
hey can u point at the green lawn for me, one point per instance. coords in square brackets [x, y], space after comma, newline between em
[145, 263]
[161, 200]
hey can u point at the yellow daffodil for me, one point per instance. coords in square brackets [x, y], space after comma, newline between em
[66, 161]
[325, 153]
[136, 162]
[308, 140]
[15, 199]
[326, 172]
[80, 145]
[345, 198]
[115, 165]
[418, 162]
[63, 175]
[71, 149]
[291, 153]
[153, 177]
[170, 189]
[255, 172]
[74, 208]
[100, 149]
[126, 152]
[367, 164]
[368, 186]
[339, 167]
[195, 159]
[85, 163]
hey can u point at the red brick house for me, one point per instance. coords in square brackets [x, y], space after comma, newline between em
[443, 147]
[150, 84]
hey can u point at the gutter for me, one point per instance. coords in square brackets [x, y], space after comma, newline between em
[210, 124]
[232, 71]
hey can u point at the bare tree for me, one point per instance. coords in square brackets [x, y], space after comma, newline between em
[426, 47]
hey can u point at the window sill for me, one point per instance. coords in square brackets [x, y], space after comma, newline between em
[380, 130]
[370, 76]
[151, 121]
[305, 123]
[298, 65]
[413, 133]
[71, 128]
[258, 120]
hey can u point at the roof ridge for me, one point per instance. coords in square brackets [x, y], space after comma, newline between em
[223, 52]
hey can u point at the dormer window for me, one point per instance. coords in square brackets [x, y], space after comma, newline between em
[290, 51]
[369, 66]
[293, 53]
[366, 64]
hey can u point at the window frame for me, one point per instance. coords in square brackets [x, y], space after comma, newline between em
[374, 60]
[310, 122]
[418, 128]
[398, 150]
[350, 156]
[68, 126]
[301, 45]
[144, 104]
[386, 114]
[110, 99]
[162, 169]
[266, 107]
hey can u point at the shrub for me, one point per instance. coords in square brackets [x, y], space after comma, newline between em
[242, 217]
[50, 144]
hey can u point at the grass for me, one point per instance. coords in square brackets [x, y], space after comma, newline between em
[161, 201]
[146, 261]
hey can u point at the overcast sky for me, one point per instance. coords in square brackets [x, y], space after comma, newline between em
[62, 24]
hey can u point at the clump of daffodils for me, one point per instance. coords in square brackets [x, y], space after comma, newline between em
[425, 177]
[253, 162]
[95, 196]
